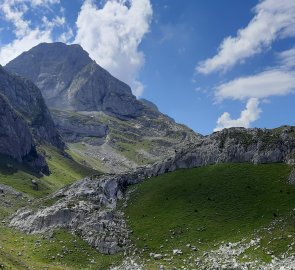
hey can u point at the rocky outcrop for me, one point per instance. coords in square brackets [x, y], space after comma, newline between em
[70, 79]
[83, 206]
[235, 145]
[87, 209]
[75, 127]
[149, 104]
[94, 89]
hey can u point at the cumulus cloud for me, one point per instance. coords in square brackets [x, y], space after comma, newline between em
[14, 14]
[112, 35]
[18, 46]
[275, 82]
[27, 36]
[249, 115]
[273, 20]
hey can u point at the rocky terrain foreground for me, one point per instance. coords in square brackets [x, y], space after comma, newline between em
[89, 209]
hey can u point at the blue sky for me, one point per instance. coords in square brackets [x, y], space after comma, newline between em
[208, 64]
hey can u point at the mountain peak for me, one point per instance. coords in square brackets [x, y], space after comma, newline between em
[70, 79]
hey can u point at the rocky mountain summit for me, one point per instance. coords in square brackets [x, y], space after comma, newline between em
[96, 114]
[70, 79]
[88, 207]
[25, 121]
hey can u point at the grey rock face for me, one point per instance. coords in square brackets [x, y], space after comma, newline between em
[292, 177]
[69, 79]
[27, 100]
[15, 137]
[25, 122]
[87, 209]
[16, 140]
[234, 145]
[51, 67]
[94, 89]
[149, 104]
[77, 127]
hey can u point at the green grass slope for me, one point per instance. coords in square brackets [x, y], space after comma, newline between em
[64, 171]
[60, 251]
[209, 205]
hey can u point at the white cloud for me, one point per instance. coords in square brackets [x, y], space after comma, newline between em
[249, 115]
[112, 35]
[287, 58]
[66, 36]
[273, 20]
[275, 82]
[42, 2]
[27, 36]
[14, 14]
[18, 46]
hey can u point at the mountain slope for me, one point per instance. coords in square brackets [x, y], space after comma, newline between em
[96, 114]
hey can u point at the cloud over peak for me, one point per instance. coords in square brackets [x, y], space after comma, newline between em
[27, 35]
[112, 35]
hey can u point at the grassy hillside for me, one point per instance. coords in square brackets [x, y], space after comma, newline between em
[206, 206]
[60, 251]
[64, 171]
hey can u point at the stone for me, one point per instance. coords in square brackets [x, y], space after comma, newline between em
[292, 177]
[158, 256]
[177, 252]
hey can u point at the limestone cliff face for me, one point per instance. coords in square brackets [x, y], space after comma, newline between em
[94, 89]
[235, 145]
[27, 100]
[70, 79]
[16, 140]
[25, 121]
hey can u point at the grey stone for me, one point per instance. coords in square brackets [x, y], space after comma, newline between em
[292, 177]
